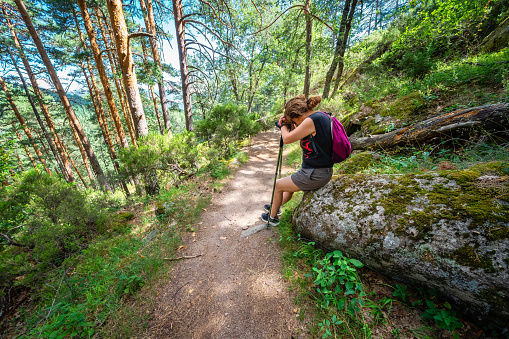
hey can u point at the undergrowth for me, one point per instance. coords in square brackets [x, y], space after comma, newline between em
[339, 298]
[88, 287]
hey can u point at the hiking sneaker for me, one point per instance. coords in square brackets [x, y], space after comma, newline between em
[271, 221]
[267, 209]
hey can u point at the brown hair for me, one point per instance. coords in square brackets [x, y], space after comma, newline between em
[295, 107]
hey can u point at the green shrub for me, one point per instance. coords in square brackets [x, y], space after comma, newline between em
[225, 125]
[49, 218]
[6, 162]
[416, 64]
[177, 154]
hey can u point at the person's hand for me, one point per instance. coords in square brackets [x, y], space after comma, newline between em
[283, 121]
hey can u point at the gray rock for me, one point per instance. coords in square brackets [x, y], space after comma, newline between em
[445, 230]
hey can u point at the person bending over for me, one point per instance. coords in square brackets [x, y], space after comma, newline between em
[301, 123]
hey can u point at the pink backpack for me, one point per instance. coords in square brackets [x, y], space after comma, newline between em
[341, 147]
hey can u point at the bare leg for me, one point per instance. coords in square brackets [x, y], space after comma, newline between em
[287, 196]
[284, 189]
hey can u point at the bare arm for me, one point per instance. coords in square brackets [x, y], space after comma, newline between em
[306, 128]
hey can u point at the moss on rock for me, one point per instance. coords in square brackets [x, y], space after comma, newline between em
[467, 256]
[357, 163]
[491, 168]
[498, 233]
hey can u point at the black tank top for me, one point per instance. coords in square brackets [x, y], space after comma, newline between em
[312, 156]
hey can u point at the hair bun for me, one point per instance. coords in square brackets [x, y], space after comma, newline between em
[314, 101]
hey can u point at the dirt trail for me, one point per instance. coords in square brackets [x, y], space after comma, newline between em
[235, 290]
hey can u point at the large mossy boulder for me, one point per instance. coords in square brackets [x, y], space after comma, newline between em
[445, 230]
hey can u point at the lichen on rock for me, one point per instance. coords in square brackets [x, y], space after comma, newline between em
[447, 230]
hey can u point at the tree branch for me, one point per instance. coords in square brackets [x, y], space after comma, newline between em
[277, 18]
[218, 37]
[138, 34]
[11, 242]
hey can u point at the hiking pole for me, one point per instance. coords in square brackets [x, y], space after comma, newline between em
[278, 169]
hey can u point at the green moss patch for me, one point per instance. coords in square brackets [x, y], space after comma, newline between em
[498, 233]
[464, 178]
[467, 256]
[356, 163]
[396, 201]
[405, 106]
[492, 168]
[471, 200]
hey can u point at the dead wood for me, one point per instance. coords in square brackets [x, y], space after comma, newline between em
[488, 118]
[185, 257]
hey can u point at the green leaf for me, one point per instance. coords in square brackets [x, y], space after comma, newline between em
[356, 263]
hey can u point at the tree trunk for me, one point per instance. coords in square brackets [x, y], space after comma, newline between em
[55, 145]
[127, 66]
[96, 98]
[101, 118]
[24, 126]
[63, 97]
[376, 15]
[309, 28]
[100, 68]
[151, 89]
[344, 43]
[489, 118]
[150, 26]
[184, 69]
[118, 84]
[75, 167]
[337, 51]
[83, 155]
[131, 82]
[29, 155]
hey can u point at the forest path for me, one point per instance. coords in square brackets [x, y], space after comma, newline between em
[236, 289]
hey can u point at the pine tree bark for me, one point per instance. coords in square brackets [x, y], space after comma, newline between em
[55, 145]
[118, 83]
[150, 25]
[101, 119]
[96, 97]
[100, 68]
[63, 97]
[184, 69]
[342, 38]
[130, 81]
[309, 31]
[127, 66]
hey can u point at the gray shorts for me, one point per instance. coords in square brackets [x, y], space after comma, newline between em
[308, 179]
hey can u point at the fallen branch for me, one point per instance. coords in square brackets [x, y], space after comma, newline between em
[488, 118]
[184, 257]
[11, 242]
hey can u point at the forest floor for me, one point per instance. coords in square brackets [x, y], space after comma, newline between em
[235, 288]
